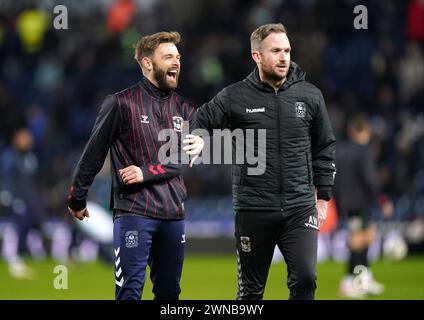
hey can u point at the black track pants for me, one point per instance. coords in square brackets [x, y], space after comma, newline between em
[296, 234]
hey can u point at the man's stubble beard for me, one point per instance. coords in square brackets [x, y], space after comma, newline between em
[160, 76]
[271, 75]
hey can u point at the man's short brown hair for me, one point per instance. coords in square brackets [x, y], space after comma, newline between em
[264, 31]
[147, 45]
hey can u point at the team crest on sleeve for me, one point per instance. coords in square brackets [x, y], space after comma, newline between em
[131, 239]
[177, 123]
[300, 109]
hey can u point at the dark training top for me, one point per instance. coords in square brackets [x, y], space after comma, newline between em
[128, 124]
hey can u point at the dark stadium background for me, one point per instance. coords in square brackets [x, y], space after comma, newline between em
[52, 81]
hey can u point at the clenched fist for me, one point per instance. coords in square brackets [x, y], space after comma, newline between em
[80, 214]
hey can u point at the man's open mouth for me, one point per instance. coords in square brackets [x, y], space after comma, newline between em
[172, 74]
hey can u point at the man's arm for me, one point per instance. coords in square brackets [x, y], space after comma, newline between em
[323, 154]
[157, 172]
[369, 173]
[371, 185]
[104, 133]
[323, 144]
[212, 115]
[152, 173]
[215, 114]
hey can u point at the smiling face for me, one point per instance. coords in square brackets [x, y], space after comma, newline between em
[163, 69]
[159, 58]
[166, 66]
[273, 57]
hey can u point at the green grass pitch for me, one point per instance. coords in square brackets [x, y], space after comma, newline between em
[207, 277]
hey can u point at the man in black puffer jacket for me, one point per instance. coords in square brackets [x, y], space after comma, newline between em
[285, 203]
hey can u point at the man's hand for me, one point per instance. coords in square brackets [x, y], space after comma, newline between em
[80, 214]
[194, 146]
[322, 206]
[131, 175]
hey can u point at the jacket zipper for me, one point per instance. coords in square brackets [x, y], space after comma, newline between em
[277, 106]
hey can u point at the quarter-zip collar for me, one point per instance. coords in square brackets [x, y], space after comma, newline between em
[154, 91]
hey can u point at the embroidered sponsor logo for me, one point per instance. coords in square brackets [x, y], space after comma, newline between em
[255, 110]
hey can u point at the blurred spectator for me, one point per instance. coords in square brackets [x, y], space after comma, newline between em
[120, 15]
[415, 20]
[411, 72]
[31, 26]
[25, 209]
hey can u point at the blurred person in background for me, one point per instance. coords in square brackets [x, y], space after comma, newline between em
[147, 197]
[356, 190]
[30, 228]
[287, 203]
[25, 208]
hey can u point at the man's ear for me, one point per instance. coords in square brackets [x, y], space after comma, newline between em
[147, 64]
[256, 56]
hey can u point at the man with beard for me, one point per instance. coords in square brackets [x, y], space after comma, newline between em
[285, 204]
[147, 196]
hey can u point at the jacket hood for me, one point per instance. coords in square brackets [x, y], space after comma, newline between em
[295, 74]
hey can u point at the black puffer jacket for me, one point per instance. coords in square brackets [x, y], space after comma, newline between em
[300, 144]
